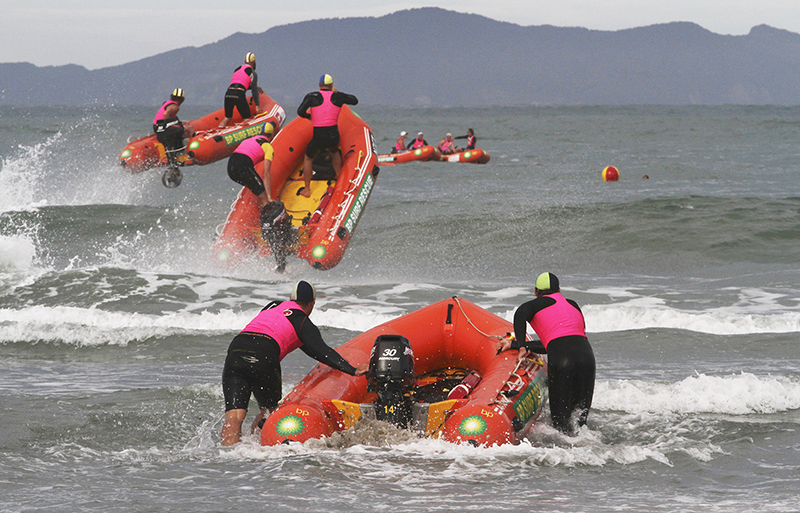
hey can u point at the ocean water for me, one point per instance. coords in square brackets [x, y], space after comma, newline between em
[114, 322]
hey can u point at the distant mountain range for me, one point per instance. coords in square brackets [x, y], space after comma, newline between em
[435, 57]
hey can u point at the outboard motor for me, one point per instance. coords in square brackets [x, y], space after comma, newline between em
[391, 376]
[275, 228]
[172, 177]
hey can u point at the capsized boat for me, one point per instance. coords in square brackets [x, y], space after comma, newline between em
[321, 225]
[417, 155]
[210, 142]
[435, 370]
[474, 156]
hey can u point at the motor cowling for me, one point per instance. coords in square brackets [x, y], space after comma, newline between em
[391, 376]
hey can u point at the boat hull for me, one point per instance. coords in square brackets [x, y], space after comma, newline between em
[476, 156]
[419, 155]
[453, 333]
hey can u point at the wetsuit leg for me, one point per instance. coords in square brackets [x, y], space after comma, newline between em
[325, 138]
[242, 171]
[235, 97]
[570, 378]
[252, 366]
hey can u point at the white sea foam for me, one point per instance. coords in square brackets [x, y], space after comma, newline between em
[717, 321]
[737, 394]
[92, 326]
[16, 252]
[20, 176]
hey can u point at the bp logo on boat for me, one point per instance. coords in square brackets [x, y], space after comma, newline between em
[290, 425]
[474, 425]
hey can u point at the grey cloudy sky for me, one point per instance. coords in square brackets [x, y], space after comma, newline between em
[100, 33]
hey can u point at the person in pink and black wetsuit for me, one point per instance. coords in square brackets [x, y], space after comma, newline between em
[418, 142]
[244, 78]
[561, 328]
[471, 139]
[253, 362]
[169, 130]
[322, 108]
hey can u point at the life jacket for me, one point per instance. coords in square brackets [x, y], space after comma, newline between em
[558, 320]
[326, 114]
[253, 148]
[274, 323]
[471, 142]
[241, 77]
[418, 144]
[399, 146]
[447, 146]
[161, 115]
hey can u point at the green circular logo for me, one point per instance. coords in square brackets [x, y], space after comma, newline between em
[473, 425]
[467, 154]
[318, 251]
[125, 153]
[290, 425]
[418, 152]
[194, 145]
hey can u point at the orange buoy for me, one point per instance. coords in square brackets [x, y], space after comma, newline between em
[610, 174]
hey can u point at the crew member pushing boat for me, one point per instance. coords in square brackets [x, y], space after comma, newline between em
[322, 108]
[254, 356]
[561, 327]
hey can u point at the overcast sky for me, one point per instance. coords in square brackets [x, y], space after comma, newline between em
[100, 33]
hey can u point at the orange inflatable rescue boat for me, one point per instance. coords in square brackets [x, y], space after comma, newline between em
[475, 156]
[322, 225]
[418, 155]
[435, 370]
[210, 142]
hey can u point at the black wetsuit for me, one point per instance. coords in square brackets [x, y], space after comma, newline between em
[242, 171]
[253, 363]
[325, 137]
[322, 167]
[236, 96]
[570, 366]
[169, 132]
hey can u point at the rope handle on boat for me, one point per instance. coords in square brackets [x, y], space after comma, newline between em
[458, 302]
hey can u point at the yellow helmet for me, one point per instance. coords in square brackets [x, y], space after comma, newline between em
[250, 58]
[177, 94]
[269, 128]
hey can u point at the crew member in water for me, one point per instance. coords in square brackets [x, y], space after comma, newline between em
[253, 362]
[471, 139]
[561, 328]
[244, 78]
[322, 108]
[169, 130]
